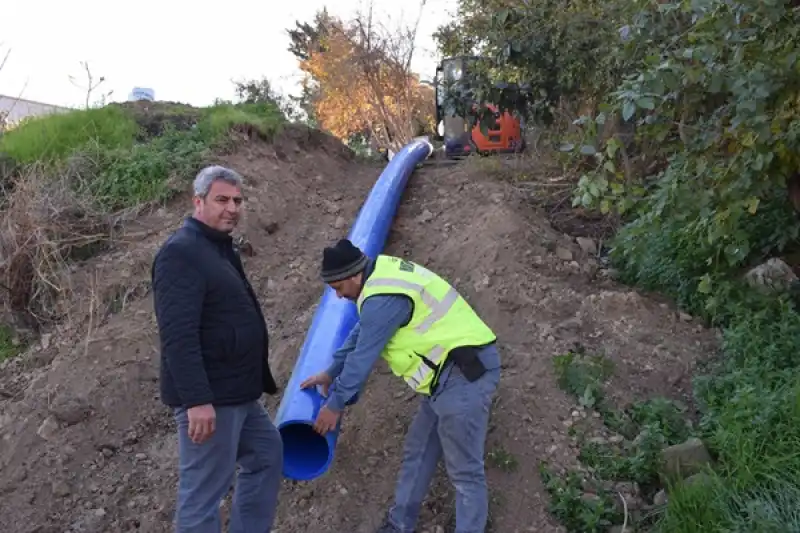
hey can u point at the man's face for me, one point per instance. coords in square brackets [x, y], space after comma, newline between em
[221, 207]
[348, 288]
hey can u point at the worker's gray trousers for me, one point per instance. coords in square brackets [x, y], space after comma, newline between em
[453, 424]
[245, 435]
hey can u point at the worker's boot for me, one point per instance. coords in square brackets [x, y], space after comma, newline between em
[387, 527]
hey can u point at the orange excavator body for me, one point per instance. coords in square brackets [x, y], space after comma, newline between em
[503, 136]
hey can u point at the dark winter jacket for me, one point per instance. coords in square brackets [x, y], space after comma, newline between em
[214, 341]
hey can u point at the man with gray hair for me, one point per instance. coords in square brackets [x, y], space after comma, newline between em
[214, 368]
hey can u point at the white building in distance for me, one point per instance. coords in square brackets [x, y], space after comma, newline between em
[13, 109]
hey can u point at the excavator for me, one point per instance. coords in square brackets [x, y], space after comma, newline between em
[503, 136]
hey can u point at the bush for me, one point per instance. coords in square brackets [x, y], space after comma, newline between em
[264, 118]
[54, 137]
[129, 177]
[712, 90]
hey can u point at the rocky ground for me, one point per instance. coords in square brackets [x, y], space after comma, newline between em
[87, 447]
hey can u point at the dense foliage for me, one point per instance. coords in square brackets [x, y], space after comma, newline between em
[710, 88]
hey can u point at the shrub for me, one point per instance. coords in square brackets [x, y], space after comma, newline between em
[711, 89]
[74, 172]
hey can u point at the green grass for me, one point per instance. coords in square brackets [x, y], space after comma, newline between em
[120, 164]
[751, 406]
[749, 397]
[54, 137]
[583, 500]
[129, 177]
[503, 459]
[8, 348]
[217, 120]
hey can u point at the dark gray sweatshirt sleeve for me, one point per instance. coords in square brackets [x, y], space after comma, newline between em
[178, 292]
[381, 316]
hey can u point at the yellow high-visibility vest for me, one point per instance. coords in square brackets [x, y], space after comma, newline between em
[441, 321]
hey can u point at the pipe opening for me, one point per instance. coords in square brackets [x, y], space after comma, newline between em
[306, 453]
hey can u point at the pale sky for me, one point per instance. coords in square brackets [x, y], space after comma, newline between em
[186, 51]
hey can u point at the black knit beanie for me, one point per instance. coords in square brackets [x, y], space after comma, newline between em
[342, 261]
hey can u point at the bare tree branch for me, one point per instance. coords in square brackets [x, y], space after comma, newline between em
[91, 86]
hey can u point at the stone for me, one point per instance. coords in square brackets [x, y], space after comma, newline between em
[71, 411]
[45, 340]
[685, 459]
[60, 489]
[773, 275]
[49, 429]
[590, 497]
[696, 479]
[565, 254]
[332, 207]
[587, 245]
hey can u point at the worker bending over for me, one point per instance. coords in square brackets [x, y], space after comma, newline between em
[431, 338]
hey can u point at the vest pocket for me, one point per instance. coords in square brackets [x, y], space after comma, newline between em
[400, 364]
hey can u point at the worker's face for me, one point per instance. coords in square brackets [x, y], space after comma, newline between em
[221, 207]
[348, 288]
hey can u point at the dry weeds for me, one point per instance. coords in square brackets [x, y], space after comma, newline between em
[44, 225]
[548, 182]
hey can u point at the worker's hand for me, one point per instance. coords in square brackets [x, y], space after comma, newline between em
[326, 421]
[318, 379]
[202, 422]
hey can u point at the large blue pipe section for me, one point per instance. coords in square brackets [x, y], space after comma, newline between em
[307, 454]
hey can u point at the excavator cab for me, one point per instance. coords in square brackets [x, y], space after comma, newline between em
[504, 136]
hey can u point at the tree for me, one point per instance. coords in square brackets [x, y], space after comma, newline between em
[359, 80]
[563, 50]
[91, 86]
[263, 92]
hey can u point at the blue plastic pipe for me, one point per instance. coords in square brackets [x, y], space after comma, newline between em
[306, 454]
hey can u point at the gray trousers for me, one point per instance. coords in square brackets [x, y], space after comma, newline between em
[451, 424]
[244, 435]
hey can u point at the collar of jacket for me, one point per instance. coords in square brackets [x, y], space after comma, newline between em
[212, 234]
[367, 273]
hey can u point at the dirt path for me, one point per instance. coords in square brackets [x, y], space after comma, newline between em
[502, 255]
[86, 446]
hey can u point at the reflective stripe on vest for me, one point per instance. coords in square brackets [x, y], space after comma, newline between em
[436, 356]
[438, 308]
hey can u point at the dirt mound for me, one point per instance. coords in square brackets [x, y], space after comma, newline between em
[86, 445]
[540, 291]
